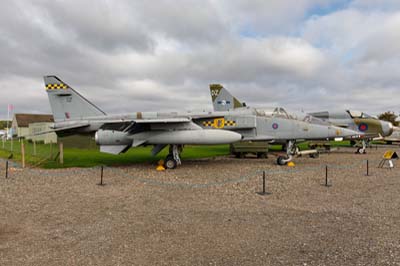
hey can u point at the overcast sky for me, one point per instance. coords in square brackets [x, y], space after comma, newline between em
[140, 55]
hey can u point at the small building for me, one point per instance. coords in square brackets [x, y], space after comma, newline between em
[30, 127]
[35, 130]
[20, 123]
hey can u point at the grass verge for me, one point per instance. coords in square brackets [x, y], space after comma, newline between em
[45, 156]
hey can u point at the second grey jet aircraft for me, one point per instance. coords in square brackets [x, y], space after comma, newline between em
[275, 124]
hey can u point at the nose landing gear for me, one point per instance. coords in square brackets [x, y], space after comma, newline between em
[173, 158]
[291, 150]
[363, 149]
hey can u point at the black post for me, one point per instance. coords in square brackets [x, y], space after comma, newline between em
[263, 182]
[367, 168]
[326, 175]
[7, 169]
[101, 180]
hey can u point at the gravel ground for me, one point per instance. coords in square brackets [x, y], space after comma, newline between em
[207, 212]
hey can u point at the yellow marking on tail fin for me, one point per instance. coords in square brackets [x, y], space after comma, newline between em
[60, 86]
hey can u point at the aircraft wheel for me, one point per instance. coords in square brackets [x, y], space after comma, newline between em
[361, 151]
[281, 160]
[170, 162]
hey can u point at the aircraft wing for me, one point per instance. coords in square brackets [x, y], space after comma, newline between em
[156, 123]
[120, 124]
[126, 122]
[171, 120]
[147, 121]
[163, 121]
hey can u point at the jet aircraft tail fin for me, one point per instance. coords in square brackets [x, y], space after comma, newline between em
[66, 103]
[222, 99]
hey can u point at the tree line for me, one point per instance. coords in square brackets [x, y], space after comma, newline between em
[3, 124]
[390, 117]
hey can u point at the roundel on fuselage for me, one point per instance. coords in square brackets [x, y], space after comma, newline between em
[363, 127]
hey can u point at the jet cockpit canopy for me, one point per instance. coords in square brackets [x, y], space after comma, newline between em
[273, 112]
[314, 120]
[282, 113]
[358, 114]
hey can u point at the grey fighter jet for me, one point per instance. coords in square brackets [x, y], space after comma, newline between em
[273, 124]
[115, 134]
[366, 126]
[73, 114]
[283, 127]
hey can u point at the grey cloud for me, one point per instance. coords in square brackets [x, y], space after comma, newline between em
[191, 22]
[384, 44]
[240, 60]
[387, 5]
[105, 25]
[355, 35]
[268, 17]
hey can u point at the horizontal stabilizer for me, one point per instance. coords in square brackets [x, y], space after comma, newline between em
[59, 130]
[76, 126]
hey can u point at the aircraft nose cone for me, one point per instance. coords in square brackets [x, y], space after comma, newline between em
[387, 128]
